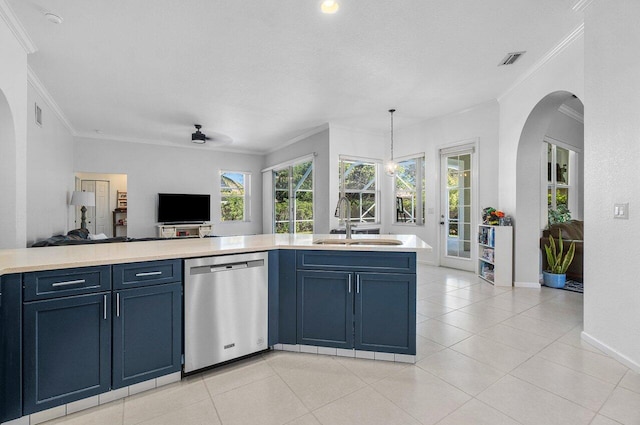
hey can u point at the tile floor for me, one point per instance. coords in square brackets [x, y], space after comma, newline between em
[486, 355]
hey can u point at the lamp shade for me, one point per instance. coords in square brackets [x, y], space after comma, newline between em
[87, 199]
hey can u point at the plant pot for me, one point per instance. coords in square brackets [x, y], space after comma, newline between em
[554, 280]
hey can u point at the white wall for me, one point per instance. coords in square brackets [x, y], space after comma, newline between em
[612, 152]
[50, 179]
[318, 143]
[562, 74]
[154, 169]
[479, 123]
[13, 140]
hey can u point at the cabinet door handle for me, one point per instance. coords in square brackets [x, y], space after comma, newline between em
[148, 274]
[118, 304]
[105, 307]
[68, 282]
[349, 283]
[357, 284]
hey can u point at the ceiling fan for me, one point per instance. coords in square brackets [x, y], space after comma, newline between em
[199, 137]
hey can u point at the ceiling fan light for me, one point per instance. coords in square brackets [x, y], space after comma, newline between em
[53, 18]
[329, 7]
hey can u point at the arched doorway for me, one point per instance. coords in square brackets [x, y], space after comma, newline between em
[7, 176]
[530, 188]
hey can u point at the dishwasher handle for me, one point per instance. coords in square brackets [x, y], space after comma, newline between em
[226, 267]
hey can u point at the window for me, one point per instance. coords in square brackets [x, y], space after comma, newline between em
[234, 196]
[558, 172]
[409, 185]
[359, 183]
[293, 198]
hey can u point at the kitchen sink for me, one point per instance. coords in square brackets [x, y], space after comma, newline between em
[359, 241]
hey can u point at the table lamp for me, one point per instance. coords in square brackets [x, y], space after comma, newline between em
[85, 199]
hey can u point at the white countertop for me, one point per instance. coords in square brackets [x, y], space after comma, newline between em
[61, 257]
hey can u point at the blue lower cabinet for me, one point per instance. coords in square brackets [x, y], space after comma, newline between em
[287, 297]
[67, 350]
[10, 347]
[385, 312]
[325, 308]
[147, 336]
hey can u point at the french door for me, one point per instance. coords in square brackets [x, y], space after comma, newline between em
[457, 188]
[293, 198]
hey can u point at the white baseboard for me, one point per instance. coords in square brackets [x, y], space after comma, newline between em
[527, 285]
[611, 352]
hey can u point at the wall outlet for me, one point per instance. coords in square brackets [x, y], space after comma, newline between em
[621, 211]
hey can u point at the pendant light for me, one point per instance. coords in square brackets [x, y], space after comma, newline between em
[390, 167]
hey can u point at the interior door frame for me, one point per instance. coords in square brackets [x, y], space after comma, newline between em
[461, 146]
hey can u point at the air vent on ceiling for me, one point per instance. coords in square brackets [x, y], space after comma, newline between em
[511, 58]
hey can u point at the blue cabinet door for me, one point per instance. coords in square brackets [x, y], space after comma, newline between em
[325, 308]
[147, 336]
[10, 347]
[385, 312]
[67, 350]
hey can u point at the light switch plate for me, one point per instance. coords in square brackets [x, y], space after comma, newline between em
[621, 211]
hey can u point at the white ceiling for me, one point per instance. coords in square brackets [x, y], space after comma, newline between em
[263, 72]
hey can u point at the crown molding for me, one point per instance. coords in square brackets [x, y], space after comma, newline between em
[561, 46]
[571, 113]
[581, 5]
[35, 82]
[7, 14]
[308, 133]
[165, 143]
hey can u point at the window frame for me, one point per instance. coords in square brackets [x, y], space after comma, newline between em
[420, 190]
[293, 206]
[377, 163]
[246, 197]
[552, 184]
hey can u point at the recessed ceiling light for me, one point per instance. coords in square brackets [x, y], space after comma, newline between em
[53, 18]
[329, 7]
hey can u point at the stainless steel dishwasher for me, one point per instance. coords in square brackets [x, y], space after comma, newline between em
[225, 308]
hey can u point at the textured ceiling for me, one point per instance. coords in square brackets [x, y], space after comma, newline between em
[262, 72]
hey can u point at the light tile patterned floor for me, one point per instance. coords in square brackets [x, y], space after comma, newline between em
[486, 355]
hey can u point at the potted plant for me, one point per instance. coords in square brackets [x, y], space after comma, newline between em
[556, 275]
[559, 215]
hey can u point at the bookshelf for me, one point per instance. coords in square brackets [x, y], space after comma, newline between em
[495, 254]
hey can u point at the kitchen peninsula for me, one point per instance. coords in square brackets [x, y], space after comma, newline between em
[93, 323]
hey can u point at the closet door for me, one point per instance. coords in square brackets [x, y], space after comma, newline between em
[89, 186]
[98, 217]
[102, 210]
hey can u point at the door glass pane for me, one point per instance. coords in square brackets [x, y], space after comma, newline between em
[459, 206]
[303, 192]
[281, 200]
[293, 198]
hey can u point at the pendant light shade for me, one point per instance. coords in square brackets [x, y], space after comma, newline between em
[390, 166]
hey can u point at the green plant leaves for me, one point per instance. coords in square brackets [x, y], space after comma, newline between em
[557, 260]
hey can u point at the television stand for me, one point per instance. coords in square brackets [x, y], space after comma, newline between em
[193, 230]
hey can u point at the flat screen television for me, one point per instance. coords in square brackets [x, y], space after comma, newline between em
[183, 208]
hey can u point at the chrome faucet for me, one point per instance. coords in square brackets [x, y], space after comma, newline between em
[338, 213]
